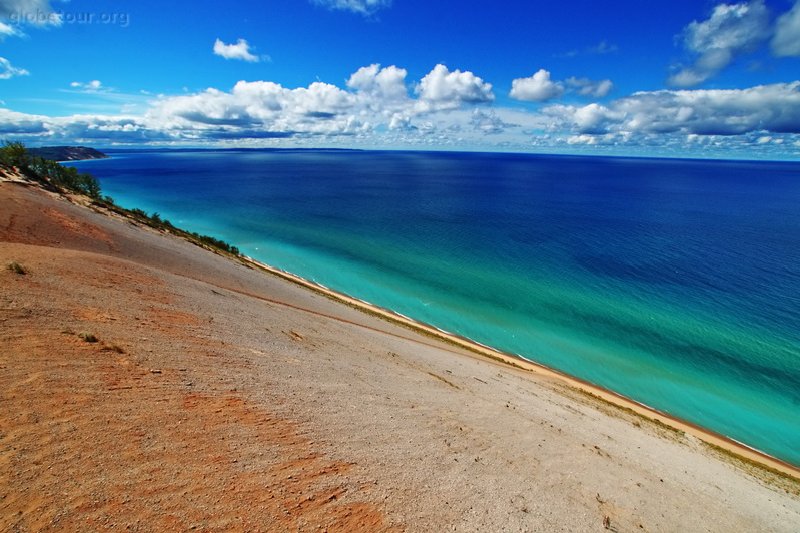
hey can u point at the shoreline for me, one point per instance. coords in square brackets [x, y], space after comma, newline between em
[739, 450]
[212, 384]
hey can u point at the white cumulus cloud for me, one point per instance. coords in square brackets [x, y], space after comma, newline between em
[8, 71]
[730, 30]
[14, 123]
[7, 30]
[541, 87]
[239, 50]
[582, 139]
[443, 89]
[786, 41]
[378, 97]
[536, 88]
[26, 12]
[771, 108]
[386, 83]
[376, 108]
[489, 122]
[257, 108]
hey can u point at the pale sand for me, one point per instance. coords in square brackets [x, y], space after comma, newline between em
[242, 401]
[612, 397]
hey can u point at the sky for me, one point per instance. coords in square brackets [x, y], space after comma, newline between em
[659, 78]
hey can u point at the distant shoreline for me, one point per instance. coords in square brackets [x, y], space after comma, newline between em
[112, 151]
[66, 154]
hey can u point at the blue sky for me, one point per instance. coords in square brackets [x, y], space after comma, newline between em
[664, 78]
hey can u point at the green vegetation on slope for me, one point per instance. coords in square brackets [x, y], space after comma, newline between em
[16, 158]
[14, 155]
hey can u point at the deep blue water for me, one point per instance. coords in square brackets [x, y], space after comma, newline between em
[673, 282]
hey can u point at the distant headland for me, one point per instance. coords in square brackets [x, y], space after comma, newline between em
[67, 153]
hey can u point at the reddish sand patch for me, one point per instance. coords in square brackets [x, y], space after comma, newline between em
[96, 440]
[91, 436]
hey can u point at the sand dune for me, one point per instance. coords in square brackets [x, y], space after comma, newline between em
[218, 397]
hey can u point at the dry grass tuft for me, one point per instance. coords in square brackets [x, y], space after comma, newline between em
[87, 337]
[16, 268]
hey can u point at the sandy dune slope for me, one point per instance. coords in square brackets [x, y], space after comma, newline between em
[220, 398]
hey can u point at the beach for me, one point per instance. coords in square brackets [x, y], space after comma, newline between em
[223, 394]
[605, 269]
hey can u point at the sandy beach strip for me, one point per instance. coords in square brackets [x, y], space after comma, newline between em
[706, 435]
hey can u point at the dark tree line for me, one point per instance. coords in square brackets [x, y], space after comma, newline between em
[15, 157]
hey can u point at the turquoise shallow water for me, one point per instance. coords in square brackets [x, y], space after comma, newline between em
[673, 282]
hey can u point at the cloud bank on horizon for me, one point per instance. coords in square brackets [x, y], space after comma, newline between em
[698, 106]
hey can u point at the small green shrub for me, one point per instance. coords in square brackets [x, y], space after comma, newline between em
[13, 154]
[139, 213]
[87, 337]
[16, 268]
[215, 243]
